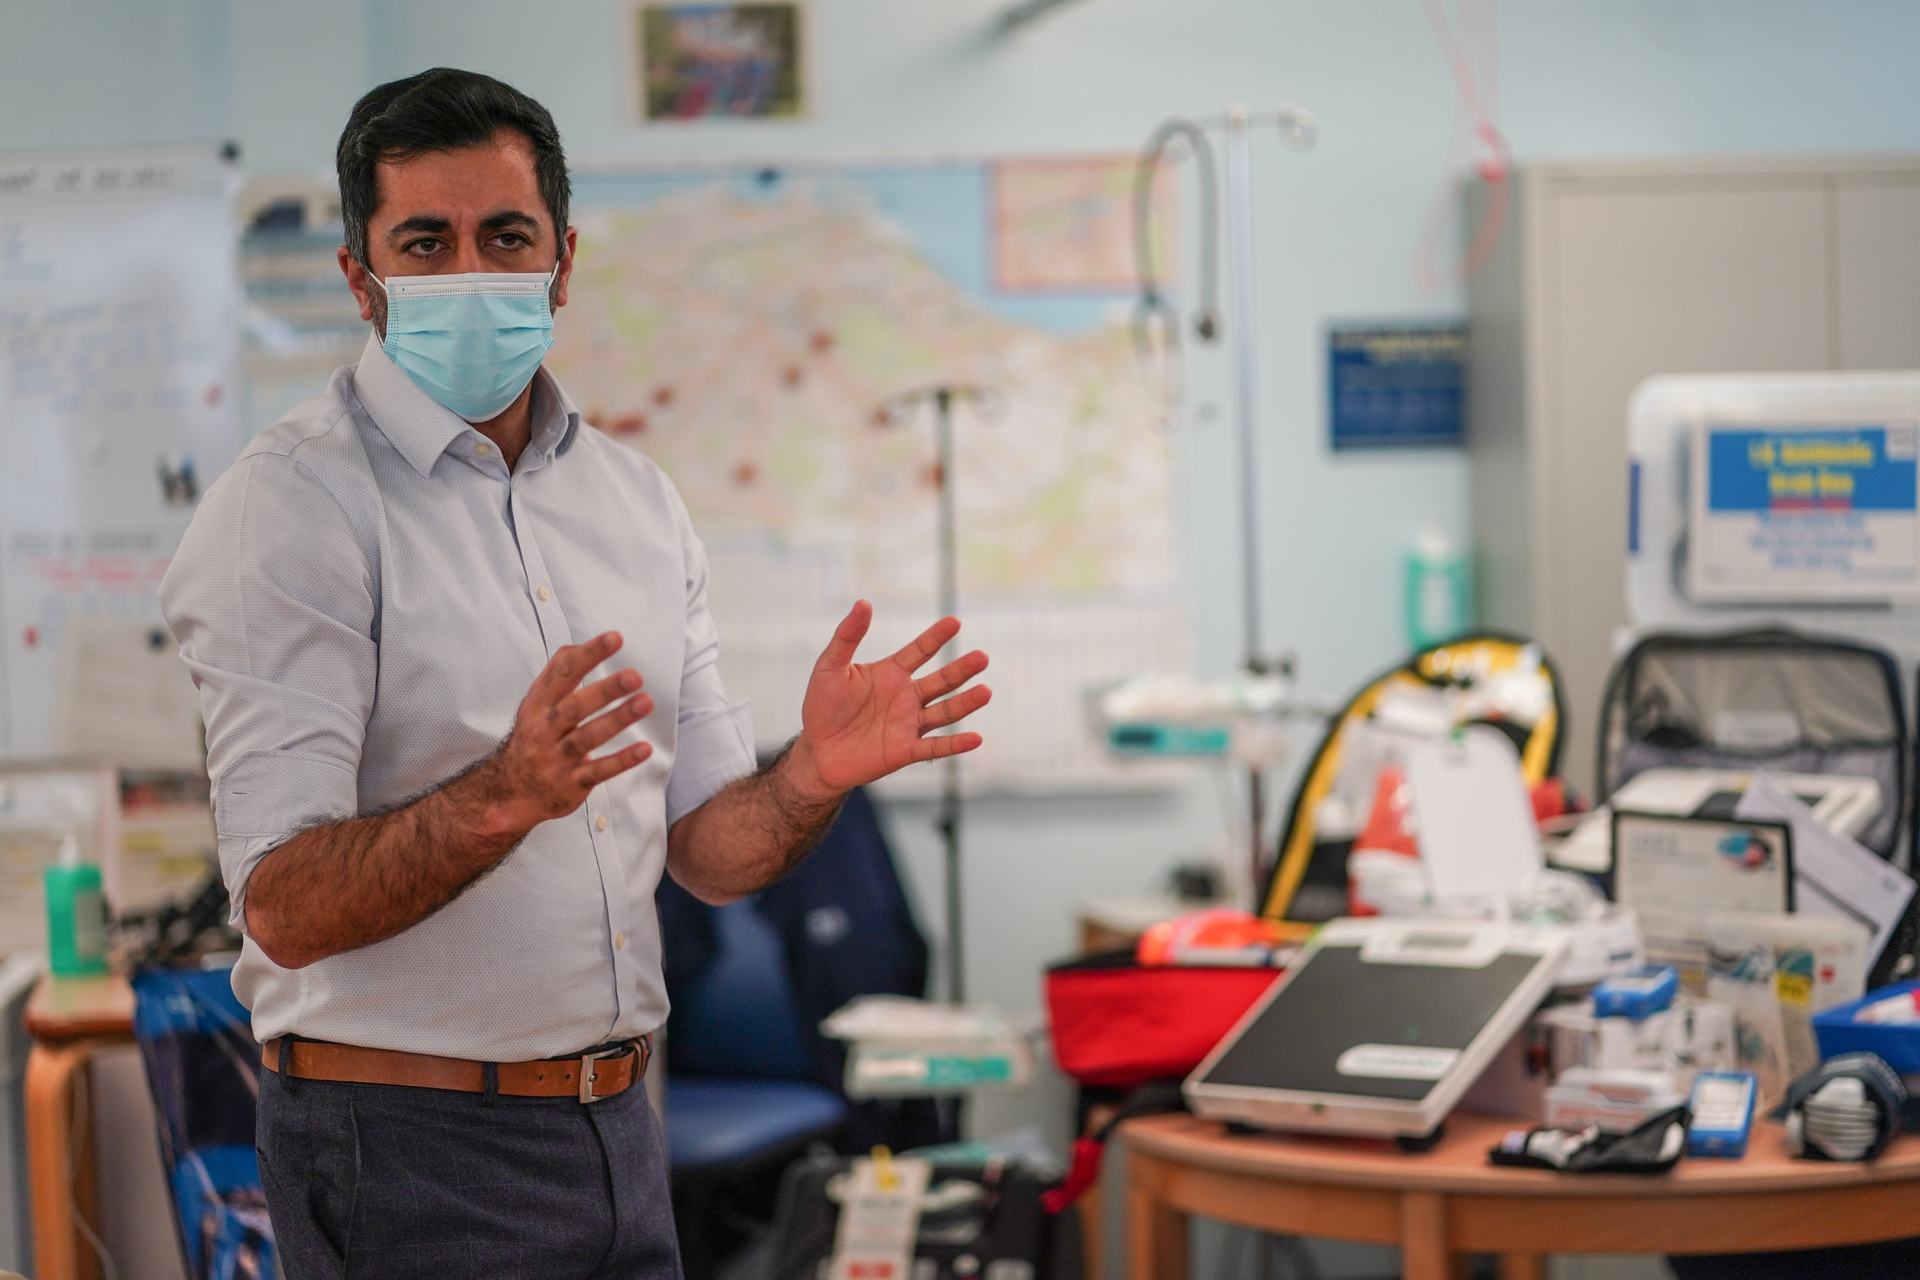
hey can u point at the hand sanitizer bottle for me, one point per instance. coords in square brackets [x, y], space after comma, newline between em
[1439, 594]
[76, 915]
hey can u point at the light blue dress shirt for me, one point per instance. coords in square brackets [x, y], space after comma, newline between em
[363, 600]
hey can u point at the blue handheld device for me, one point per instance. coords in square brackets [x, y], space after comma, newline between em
[1722, 1106]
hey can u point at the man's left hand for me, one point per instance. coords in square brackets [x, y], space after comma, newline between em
[862, 721]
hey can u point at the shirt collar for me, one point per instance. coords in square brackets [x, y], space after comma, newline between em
[421, 428]
[555, 419]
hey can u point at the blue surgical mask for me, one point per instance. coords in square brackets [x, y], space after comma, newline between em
[471, 341]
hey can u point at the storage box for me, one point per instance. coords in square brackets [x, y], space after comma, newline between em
[1690, 1036]
[1898, 1043]
[1616, 1101]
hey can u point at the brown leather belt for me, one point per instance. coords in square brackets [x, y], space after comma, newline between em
[587, 1078]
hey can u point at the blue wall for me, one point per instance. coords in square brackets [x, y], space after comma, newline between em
[917, 78]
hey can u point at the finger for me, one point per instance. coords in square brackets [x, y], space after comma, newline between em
[564, 716]
[949, 677]
[954, 709]
[570, 664]
[602, 729]
[614, 763]
[921, 651]
[846, 638]
[951, 744]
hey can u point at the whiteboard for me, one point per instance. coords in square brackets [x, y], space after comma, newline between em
[118, 399]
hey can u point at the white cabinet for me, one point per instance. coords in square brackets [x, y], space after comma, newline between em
[1609, 273]
[1876, 265]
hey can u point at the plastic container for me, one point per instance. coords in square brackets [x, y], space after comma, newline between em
[1439, 601]
[1898, 1043]
[76, 916]
[1637, 995]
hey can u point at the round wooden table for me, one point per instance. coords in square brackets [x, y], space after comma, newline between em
[70, 1020]
[1446, 1204]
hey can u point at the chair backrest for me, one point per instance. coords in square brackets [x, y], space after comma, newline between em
[738, 1017]
[838, 927]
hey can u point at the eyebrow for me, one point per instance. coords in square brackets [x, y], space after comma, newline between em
[504, 218]
[434, 224]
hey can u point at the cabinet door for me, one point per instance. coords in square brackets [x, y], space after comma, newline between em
[1876, 240]
[1646, 276]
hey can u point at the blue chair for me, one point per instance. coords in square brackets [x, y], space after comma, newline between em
[741, 1098]
[741, 1080]
[751, 1081]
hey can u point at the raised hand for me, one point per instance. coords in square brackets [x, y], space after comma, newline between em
[545, 769]
[862, 721]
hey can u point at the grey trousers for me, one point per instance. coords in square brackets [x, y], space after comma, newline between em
[366, 1182]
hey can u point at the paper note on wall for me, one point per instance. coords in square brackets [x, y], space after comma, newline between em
[125, 697]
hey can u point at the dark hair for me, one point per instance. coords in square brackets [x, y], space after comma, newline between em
[440, 110]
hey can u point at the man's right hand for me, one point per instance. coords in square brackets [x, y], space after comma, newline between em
[545, 768]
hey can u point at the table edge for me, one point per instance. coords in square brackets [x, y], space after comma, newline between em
[1184, 1143]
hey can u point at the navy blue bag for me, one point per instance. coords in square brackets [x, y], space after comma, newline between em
[203, 1068]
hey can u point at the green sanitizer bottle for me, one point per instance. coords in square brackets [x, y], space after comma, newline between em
[76, 915]
[1439, 590]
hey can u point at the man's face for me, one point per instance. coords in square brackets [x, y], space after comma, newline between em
[452, 212]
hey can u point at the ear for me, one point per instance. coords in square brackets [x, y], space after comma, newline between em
[559, 292]
[357, 281]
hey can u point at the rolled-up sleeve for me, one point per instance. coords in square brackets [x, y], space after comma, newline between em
[271, 597]
[713, 736]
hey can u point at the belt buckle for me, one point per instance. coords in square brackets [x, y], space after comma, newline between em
[588, 1075]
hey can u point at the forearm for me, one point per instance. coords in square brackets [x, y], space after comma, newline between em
[349, 884]
[755, 831]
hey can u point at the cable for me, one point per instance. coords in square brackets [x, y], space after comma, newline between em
[80, 1139]
[1153, 306]
[1477, 138]
[1298, 1257]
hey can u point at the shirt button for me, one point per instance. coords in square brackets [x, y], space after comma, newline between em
[600, 823]
[544, 594]
[619, 942]
[483, 449]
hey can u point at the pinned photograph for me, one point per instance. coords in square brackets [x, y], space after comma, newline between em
[719, 61]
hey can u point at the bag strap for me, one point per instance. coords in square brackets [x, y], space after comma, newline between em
[1156, 1097]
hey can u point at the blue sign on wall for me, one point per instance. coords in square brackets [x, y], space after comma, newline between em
[1397, 386]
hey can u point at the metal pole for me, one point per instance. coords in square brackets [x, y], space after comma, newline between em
[1243, 284]
[948, 822]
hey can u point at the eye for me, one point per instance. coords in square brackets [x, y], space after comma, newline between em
[511, 240]
[424, 247]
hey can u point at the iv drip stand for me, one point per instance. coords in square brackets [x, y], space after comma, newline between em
[1243, 302]
[947, 816]
[1298, 130]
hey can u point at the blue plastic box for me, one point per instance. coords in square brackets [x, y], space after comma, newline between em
[1637, 995]
[1898, 1043]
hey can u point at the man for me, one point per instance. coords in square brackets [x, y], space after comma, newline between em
[463, 709]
